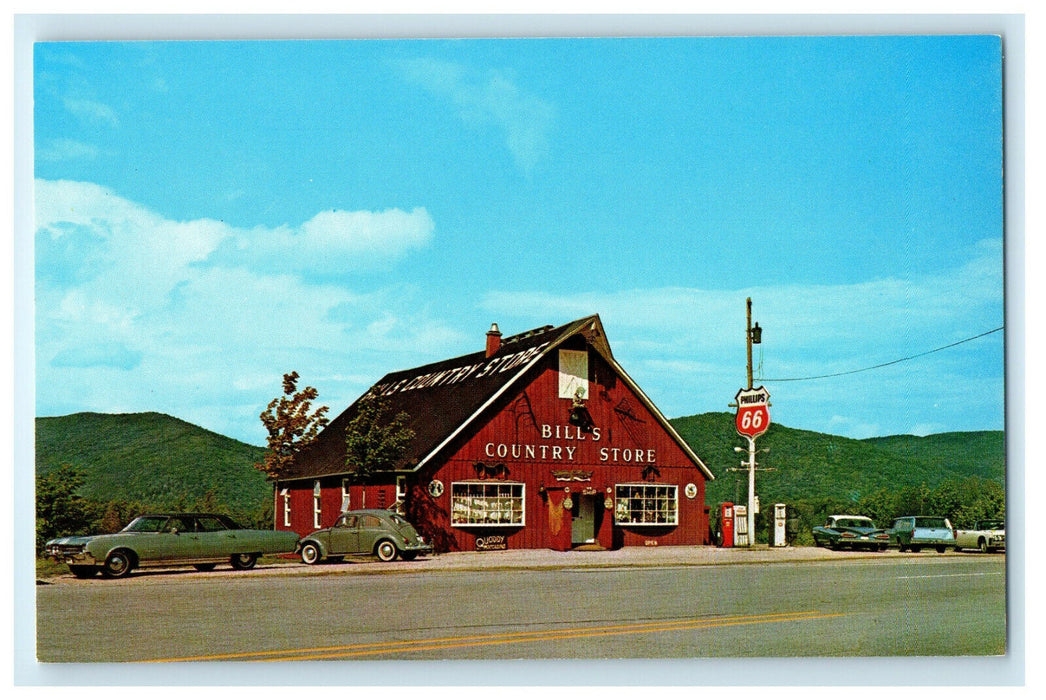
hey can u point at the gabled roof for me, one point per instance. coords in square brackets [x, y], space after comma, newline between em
[444, 399]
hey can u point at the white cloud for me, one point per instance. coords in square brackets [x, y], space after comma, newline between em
[138, 312]
[92, 111]
[686, 346]
[65, 149]
[331, 243]
[490, 97]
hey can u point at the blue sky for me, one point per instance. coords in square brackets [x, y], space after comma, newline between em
[210, 215]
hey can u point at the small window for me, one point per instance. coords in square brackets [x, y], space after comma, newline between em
[317, 510]
[573, 374]
[646, 504]
[346, 497]
[286, 507]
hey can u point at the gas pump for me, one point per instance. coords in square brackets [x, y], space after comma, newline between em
[740, 526]
[726, 525]
[780, 521]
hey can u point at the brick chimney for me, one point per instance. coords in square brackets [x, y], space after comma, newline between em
[493, 340]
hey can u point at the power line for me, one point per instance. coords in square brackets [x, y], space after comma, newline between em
[887, 364]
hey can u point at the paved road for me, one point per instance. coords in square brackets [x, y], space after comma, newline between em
[875, 605]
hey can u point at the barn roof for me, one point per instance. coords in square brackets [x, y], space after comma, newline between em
[445, 398]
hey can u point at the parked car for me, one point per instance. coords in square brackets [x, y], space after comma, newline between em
[986, 535]
[382, 533]
[853, 531]
[202, 540]
[917, 531]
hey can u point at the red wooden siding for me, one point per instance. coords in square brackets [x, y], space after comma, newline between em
[532, 437]
[528, 439]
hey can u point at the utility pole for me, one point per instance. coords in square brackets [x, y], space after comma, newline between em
[748, 338]
[753, 415]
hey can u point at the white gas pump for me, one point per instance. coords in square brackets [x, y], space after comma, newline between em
[780, 521]
[740, 526]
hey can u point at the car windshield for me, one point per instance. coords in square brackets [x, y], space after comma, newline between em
[992, 525]
[855, 522]
[931, 522]
[146, 523]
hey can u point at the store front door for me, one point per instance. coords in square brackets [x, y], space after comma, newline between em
[583, 521]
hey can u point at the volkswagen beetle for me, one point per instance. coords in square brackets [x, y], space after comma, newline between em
[382, 533]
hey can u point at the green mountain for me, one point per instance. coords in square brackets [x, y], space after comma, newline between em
[162, 462]
[805, 465]
[154, 460]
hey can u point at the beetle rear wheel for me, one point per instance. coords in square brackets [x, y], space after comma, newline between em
[310, 553]
[385, 550]
[118, 564]
[243, 561]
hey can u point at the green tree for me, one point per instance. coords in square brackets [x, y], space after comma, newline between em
[60, 510]
[374, 441]
[292, 425]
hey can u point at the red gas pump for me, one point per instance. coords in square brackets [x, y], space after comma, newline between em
[726, 525]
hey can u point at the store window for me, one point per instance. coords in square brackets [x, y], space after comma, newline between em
[487, 503]
[646, 504]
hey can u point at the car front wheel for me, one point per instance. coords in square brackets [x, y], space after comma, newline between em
[118, 564]
[982, 545]
[385, 550]
[243, 562]
[310, 553]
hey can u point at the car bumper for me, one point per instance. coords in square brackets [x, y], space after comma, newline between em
[418, 548]
[73, 558]
[864, 541]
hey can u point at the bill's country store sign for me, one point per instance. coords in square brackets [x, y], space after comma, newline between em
[540, 441]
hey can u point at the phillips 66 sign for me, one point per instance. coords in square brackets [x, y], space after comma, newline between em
[753, 412]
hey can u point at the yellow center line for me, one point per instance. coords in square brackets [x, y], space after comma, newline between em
[390, 647]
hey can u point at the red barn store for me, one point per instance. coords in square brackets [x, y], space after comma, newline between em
[541, 440]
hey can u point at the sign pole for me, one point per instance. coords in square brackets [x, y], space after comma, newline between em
[751, 492]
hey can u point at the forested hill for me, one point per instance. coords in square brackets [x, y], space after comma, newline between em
[815, 466]
[154, 460]
[162, 462]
